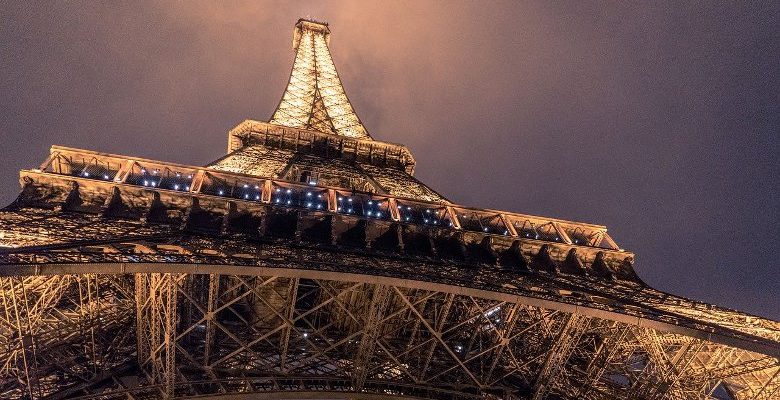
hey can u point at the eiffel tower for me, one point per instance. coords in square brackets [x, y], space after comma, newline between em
[308, 262]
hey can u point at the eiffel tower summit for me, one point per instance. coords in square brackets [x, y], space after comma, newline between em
[309, 263]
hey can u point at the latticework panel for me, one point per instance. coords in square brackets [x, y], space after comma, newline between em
[314, 97]
[216, 333]
[60, 332]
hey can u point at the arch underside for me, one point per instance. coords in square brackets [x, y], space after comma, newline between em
[266, 330]
[108, 308]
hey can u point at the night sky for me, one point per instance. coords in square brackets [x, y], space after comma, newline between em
[659, 121]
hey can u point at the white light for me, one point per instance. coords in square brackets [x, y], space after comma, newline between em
[257, 197]
[221, 193]
[176, 187]
[143, 171]
[152, 183]
[105, 176]
[407, 218]
[308, 204]
[246, 186]
[146, 183]
[277, 200]
[187, 188]
[319, 206]
[246, 196]
[308, 194]
[485, 229]
[350, 210]
[189, 176]
[178, 174]
[278, 190]
[288, 201]
[379, 215]
[369, 213]
[289, 191]
[86, 173]
[398, 207]
[338, 208]
[319, 196]
[312, 183]
[305, 335]
[341, 198]
[370, 202]
[257, 187]
[350, 200]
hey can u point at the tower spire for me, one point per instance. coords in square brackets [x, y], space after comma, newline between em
[314, 98]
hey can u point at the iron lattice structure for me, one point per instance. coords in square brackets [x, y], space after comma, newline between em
[309, 262]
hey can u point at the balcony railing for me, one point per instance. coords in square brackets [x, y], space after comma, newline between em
[240, 187]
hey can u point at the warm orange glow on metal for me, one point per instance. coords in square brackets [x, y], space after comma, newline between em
[314, 98]
[310, 257]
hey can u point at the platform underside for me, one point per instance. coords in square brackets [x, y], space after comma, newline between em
[228, 314]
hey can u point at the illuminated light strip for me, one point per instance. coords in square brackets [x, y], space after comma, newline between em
[332, 203]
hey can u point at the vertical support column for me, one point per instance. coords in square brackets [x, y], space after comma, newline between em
[332, 203]
[558, 355]
[371, 333]
[141, 308]
[157, 320]
[13, 307]
[292, 297]
[211, 306]
[89, 308]
[393, 205]
[267, 188]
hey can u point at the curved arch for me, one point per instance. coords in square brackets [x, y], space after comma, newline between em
[749, 344]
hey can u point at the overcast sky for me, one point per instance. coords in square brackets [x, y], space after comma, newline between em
[657, 120]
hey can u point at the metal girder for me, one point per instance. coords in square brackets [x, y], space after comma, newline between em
[50, 324]
[370, 335]
[560, 349]
[157, 321]
[197, 332]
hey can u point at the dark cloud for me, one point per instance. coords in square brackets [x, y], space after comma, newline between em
[657, 120]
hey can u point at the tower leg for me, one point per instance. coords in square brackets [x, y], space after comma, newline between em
[156, 323]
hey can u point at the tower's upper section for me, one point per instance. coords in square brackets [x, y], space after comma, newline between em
[314, 98]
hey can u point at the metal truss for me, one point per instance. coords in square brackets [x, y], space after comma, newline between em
[57, 332]
[215, 333]
[303, 316]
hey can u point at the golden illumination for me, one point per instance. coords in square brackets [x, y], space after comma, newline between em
[314, 98]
